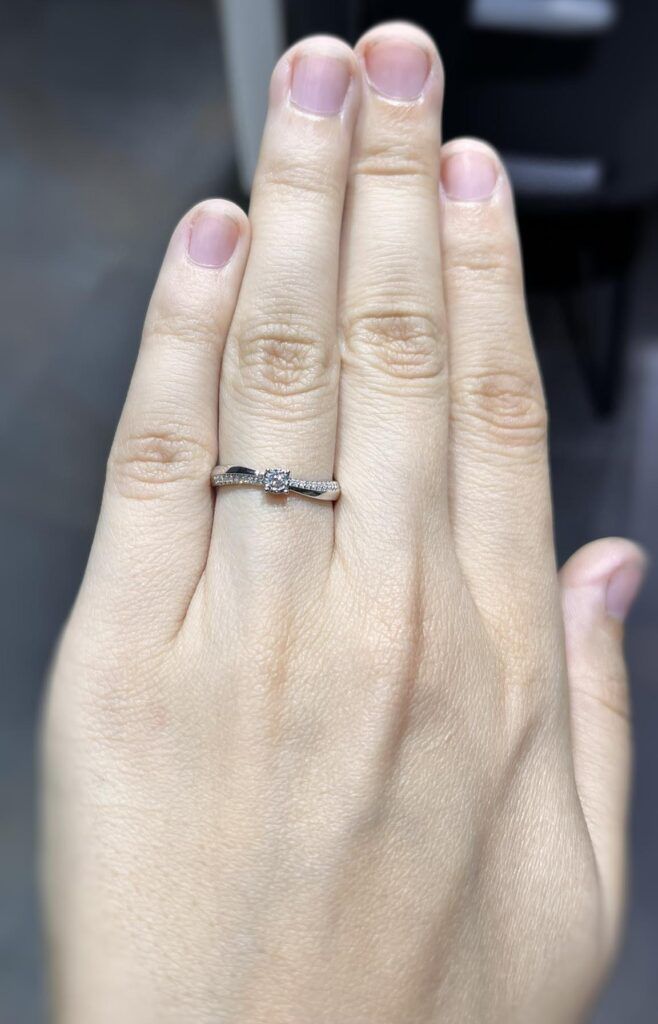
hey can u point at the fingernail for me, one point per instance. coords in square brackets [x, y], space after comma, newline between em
[397, 68]
[319, 83]
[623, 588]
[213, 239]
[469, 176]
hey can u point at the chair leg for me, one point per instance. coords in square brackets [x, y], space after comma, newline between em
[597, 318]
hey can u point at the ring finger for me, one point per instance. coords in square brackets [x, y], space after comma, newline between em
[278, 390]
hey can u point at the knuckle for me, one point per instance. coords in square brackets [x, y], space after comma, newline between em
[181, 325]
[486, 261]
[403, 345]
[283, 359]
[118, 709]
[607, 692]
[306, 181]
[141, 462]
[394, 158]
[508, 404]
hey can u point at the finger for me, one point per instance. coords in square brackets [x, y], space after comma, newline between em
[155, 523]
[278, 389]
[391, 456]
[599, 584]
[500, 495]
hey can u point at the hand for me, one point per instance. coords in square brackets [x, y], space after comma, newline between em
[316, 763]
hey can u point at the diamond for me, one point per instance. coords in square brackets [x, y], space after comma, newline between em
[277, 481]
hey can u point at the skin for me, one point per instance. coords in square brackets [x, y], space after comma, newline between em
[364, 762]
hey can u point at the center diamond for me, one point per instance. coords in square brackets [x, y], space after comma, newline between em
[277, 481]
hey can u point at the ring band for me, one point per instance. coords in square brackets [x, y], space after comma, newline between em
[275, 481]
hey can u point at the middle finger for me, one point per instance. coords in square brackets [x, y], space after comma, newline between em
[392, 432]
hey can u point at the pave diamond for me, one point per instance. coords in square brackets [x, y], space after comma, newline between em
[277, 481]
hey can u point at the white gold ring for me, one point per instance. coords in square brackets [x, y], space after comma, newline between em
[275, 481]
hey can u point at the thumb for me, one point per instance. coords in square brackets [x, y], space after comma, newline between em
[599, 585]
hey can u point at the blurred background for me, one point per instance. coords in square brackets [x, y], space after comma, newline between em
[117, 115]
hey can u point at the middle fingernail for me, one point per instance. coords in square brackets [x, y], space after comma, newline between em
[397, 68]
[319, 83]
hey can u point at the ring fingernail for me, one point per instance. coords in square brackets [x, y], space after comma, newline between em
[397, 68]
[469, 176]
[213, 239]
[319, 83]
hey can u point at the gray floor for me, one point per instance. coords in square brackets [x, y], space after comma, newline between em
[111, 130]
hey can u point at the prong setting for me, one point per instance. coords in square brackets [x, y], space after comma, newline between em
[276, 481]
